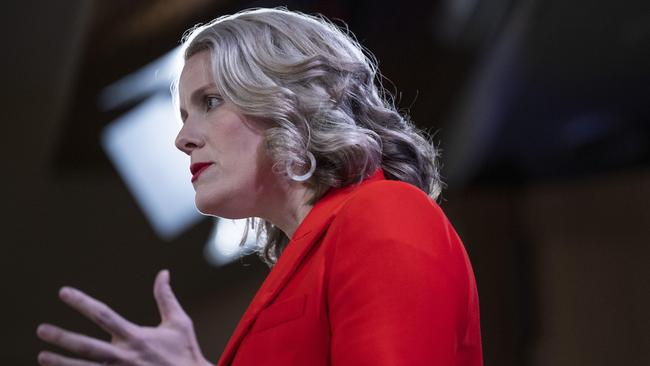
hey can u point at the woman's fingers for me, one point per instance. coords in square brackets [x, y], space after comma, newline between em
[98, 312]
[168, 305]
[77, 343]
[52, 359]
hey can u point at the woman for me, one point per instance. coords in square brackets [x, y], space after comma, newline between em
[284, 123]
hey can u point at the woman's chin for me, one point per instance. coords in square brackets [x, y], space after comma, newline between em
[207, 206]
[217, 208]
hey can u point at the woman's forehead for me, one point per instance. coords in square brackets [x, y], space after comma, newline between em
[197, 73]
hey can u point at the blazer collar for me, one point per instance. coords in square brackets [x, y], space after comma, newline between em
[306, 235]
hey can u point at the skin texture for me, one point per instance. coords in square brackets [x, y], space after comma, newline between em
[215, 131]
[240, 182]
[171, 343]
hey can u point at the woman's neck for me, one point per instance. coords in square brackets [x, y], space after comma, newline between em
[289, 207]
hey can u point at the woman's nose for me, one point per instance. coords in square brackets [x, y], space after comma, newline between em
[187, 141]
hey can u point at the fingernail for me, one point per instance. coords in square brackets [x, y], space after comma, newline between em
[42, 330]
[65, 292]
[44, 358]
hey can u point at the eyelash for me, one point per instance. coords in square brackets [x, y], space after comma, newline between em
[207, 100]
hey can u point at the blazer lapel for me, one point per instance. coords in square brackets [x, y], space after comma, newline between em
[308, 233]
[292, 256]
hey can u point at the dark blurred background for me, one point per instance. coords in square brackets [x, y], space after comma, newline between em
[542, 110]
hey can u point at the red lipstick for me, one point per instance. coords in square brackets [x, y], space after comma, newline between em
[197, 168]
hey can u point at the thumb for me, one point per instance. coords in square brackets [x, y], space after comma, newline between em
[168, 305]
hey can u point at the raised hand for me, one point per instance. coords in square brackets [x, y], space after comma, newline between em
[173, 342]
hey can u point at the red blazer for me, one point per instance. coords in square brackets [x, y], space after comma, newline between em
[374, 275]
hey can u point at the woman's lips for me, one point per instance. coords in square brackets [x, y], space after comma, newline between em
[197, 168]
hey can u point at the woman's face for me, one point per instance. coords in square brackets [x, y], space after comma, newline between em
[231, 173]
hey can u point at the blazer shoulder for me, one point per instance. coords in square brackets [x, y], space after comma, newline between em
[391, 195]
[387, 205]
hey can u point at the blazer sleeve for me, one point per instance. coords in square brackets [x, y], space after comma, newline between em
[400, 284]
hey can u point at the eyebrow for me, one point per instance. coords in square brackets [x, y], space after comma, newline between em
[195, 98]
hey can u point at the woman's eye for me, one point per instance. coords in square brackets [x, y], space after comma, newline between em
[211, 102]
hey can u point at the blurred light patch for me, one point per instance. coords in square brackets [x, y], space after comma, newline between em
[589, 127]
[223, 246]
[454, 18]
[141, 146]
[154, 77]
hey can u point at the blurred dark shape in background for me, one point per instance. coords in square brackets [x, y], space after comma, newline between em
[562, 92]
[541, 108]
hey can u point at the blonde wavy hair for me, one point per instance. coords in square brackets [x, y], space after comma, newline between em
[324, 94]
